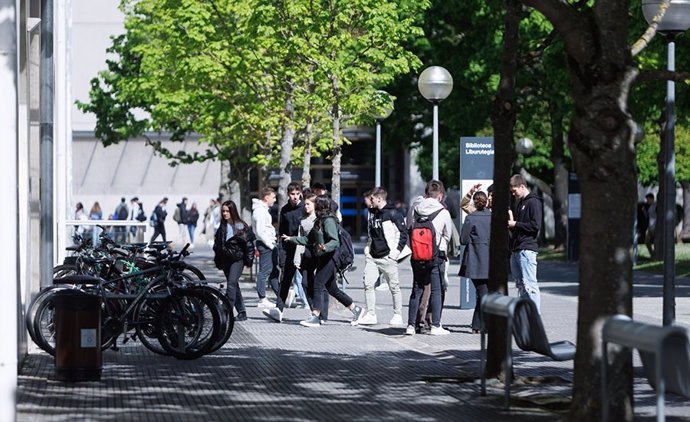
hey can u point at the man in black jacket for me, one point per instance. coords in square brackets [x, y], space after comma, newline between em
[524, 235]
[386, 245]
[289, 221]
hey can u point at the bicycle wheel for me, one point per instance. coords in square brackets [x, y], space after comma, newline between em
[226, 315]
[188, 324]
[44, 325]
[145, 322]
[64, 270]
[32, 311]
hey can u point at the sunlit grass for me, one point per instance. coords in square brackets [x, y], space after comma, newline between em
[644, 263]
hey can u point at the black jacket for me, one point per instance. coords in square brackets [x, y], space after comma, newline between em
[379, 220]
[528, 217]
[239, 247]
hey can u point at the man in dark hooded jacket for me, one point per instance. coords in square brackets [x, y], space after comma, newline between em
[386, 246]
[524, 235]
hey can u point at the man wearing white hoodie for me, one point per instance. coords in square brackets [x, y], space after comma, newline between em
[265, 233]
[432, 203]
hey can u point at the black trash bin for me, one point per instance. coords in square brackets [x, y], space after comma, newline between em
[77, 321]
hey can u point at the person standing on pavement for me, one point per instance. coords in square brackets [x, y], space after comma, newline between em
[386, 245]
[180, 217]
[234, 249]
[121, 214]
[158, 220]
[289, 222]
[191, 221]
[524, 236]
[265, 232]
[432, 203]
[475, 235]
[322, 241]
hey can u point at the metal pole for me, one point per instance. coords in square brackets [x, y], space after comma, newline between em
[9, 222]
[378, 153]
[669, 178]
[435, 140]
[47, 92]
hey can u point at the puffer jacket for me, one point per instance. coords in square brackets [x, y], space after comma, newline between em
[238, 247]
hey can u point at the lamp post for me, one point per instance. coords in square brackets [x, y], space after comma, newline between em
[382, 115]
[675, 21]
[435, 84]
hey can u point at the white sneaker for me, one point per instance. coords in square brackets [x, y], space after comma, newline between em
[383, 287]
[274, 314]
[265, 303]
[368, 319]
[439, 331]
[396, 321]
[410, 330]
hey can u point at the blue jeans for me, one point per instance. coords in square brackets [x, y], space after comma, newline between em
[268, 270]
[423, 277]
[523, 266]
[232, 275]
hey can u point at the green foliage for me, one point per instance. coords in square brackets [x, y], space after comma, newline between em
[227, 70]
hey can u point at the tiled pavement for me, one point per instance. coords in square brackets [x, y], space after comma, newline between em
[286, 372]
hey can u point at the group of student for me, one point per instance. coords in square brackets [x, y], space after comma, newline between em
[307, 240]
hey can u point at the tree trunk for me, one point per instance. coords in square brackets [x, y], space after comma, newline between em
[306, 166]
[601, 140]
[560, 182]
[337, 147]
[286, 146]
[503, 120]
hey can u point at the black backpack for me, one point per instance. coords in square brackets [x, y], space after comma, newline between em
[344, 255]
[122, 213]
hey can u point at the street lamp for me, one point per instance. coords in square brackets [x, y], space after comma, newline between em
[435, 84]
[675, 21]
[382, 114]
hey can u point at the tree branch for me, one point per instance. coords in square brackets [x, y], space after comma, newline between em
[648, 35]
[651, 75]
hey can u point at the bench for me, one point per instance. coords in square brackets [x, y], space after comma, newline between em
[665, 355]
[524, 323]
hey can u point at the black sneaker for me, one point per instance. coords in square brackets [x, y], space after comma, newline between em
[241, 316]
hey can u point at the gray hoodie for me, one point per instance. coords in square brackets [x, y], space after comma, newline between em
[262, 223]
[443, 224]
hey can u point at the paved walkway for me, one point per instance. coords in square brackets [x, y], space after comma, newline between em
[285, 372]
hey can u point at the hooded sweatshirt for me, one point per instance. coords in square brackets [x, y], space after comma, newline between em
[387, 234]
[443, 225]
[528, 215]
[262, 223]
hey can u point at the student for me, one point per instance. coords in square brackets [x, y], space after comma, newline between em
[476, 235]
[234, 249]
[322, 241]
[430, 205]
[265, 232]
[387, 241]
[524, 235]
[289, 222]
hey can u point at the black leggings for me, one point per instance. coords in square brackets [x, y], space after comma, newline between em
[325, 278]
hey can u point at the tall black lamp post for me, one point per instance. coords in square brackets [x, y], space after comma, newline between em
[675, 21]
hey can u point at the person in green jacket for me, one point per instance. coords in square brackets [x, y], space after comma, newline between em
[322, 241]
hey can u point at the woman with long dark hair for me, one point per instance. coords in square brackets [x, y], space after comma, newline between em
[322, 241]
[234, 249]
